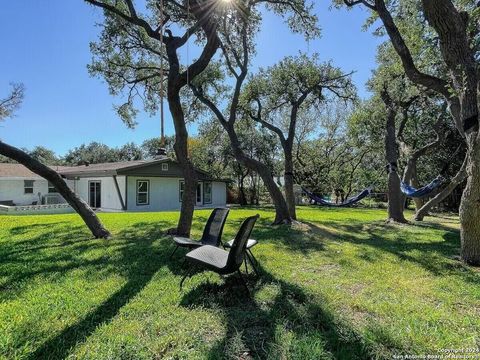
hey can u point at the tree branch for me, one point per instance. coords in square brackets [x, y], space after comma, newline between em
[132, 18]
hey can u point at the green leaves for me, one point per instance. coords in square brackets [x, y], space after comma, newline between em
[128, 55]
[12, 102]
[296, 83]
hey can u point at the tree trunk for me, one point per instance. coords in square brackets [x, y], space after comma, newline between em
[257, 181]
[242, 199]
[176, 81]
[410, 177]
[457, 180]
[253, 189]
[282, 215]
[80, 206]
[396, 200]
[470, 205]
[419, 202]
[289, 183]
[189, 197]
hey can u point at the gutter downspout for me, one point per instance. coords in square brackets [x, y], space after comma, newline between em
[122, 203]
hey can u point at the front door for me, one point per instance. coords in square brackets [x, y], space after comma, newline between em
[199, 194]
[95, 194]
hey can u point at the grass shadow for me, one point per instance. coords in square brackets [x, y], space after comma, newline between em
[136, 253]
[279, 321]
[437, 257]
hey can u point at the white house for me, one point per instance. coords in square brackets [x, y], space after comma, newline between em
[19, 186]
[153, 185]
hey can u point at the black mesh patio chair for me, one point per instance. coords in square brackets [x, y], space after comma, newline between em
[221, 261]
[212, 234]
[248, 254]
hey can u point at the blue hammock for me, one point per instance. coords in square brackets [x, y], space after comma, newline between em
[321, 201]
[410, 191]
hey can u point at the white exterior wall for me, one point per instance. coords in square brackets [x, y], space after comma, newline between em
[109, 195]
[219, 194]
[164, 194]
[13, 189]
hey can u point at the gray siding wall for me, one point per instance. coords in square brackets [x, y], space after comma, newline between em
[164, 194]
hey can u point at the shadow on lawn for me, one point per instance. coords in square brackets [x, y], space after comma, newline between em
[67, 236]
[287, 325]
[136, 253]
[140, 250]
[437, 257]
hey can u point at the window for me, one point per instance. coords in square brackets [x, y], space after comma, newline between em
[165, 167]
[51, 188]
[95, 194]
[181, 188]
[28, 186]
[207, 192]
[143, 189]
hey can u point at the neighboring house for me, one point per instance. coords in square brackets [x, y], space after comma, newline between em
[19, 186]
[142, 185]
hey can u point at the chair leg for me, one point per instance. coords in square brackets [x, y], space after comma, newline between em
[252, 262]
[188, 274]
[243, 282]
[246, 266]
[253, 257]
[174, 251]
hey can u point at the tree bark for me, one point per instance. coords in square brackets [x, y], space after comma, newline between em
[396, 199]
[242, 199]
[289, 183]
[80, 206]
[189, 197]
[410, 177]
[442, 195]
[253, 189]
[419, 202]
[470, 205]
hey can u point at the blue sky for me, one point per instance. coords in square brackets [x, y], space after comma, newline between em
[45, 45]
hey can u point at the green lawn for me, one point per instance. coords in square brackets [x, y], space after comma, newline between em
[343, 285]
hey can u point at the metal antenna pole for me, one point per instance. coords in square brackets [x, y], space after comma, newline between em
[161, 151]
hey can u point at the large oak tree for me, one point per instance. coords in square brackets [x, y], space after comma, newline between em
[276, 97]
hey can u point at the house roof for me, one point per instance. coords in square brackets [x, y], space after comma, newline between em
[106, 168]
[147, 168]
[131, 168]
[20, 171]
